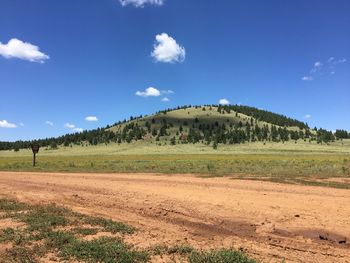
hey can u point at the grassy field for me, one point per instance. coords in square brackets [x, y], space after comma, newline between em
[301, 162]
[58, 234]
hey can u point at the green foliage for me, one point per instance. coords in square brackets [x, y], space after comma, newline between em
[59, 239]
[42, 223]
[21, 254]
[104, 249]
[180, 249]
[109, 225]
[85, 231]
[342, 134]
[220, 256]
[45, 217]
[10, 205]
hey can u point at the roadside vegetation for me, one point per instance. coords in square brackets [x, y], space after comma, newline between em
[38, 232]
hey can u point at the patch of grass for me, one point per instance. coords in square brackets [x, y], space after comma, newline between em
[220, 256]
[21, 254]
[7, 205]
[180, 249]
[50, 228]
[85, 231]
[109, 225]
[16, 236]
[59, 239]
[46, 217]
[104, 249]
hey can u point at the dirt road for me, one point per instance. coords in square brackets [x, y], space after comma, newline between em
[269, 221]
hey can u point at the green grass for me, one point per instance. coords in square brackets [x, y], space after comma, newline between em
[55, 231]
[300, 163]
[85, 231]
[220, 256]
[104, 249]
[336, 165]
[109, 225]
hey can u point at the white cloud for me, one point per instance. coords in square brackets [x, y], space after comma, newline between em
[78, 130]
[141, 3]
[307, 116]
[307, 78]
[72, 127]
[6, 124]
[167, 50]
[224, 102]
[149, 92]
[318, 64]
[16, 48]
[91, 118]
[165, 99]
[167, 92]
[69, 125]
[49, 123]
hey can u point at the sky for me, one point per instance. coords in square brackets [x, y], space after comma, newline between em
[67, 66]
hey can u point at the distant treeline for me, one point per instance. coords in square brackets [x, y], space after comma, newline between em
[93, 137]
[274, 128]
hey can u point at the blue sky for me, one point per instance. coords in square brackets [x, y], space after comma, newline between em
[62, 61]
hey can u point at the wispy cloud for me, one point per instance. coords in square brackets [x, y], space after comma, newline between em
[307, 116]
[307, 78]
[167, 92]
[78, 130]
[91, 118]
[72, 127]
[141, 3]
[165, 99]
[167, 50]
[327, 68]
[69, 125]
[224, 102]
[7, 125]
[16, 48]
[50, 123]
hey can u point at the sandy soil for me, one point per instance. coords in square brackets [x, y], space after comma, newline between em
[269, 221]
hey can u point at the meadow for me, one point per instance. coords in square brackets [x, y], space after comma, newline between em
[290, 162]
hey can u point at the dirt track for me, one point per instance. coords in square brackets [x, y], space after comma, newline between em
[269, 221]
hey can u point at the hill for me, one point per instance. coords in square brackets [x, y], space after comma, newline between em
[209, 124]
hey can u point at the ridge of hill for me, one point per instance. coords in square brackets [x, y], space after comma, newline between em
[209, 124]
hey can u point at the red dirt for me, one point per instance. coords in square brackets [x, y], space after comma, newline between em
[269, 221]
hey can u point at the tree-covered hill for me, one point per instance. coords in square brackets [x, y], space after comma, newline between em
[209, 124]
